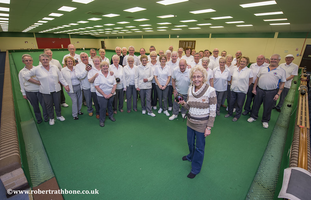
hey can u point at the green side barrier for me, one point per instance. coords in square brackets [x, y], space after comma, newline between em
[266, 179]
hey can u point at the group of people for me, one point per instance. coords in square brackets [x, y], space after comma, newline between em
[199, 82]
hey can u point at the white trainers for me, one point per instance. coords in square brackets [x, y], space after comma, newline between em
[151, 114]
[154, 107]
[172, 117]
[61, 118]
[179, 110]
[251, 119]
[183, 116]
[234, 109]
[51, 122]
[125, 100]
[143, 112]
[227, 108]
[64, 105]
[166, 112]
[265, 124]
[169, 108]
[160, 110]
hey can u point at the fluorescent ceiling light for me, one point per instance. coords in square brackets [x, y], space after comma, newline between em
[118, 27]
[138, 31]
[161, 30]
[100, 29]
[235, 22]
[121, 32]
[140, 20]
[244, 25]
[4, 9]
[272, 20]
[38, 23]
[67, 8]
[4, 14]
[123, 22]
[108, 28]
[275, 24]
[41, 21]
[94, 19]
[161, 27]
[216, 27]
[194, 28]
[73, 24]
[1, 18]
[269, 13]
[130, 26]
[89, 27]
[82, 28]
[55, 14]
[181, 26]
[108, 24]
[164, 23]
[111, 15]
[135, 29]
[145, 25]
[205, 24]
[170, 2]
[262, 3]
[8, 22]
[224, 17]
[176, 29]
[5, 1]
[98, 26]
[47, 18]
[165, 16]
[202, 11]
[135, 9]
[147, 28]
[190, 20]
[128, 32]
[82, 22]
[82, 1]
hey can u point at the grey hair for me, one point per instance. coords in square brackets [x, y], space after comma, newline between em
[83, 53]
[132, 47]
[205, 59]
[174, 52]
[25, 55]
[168, 51]
[117, 47]
[130, 57]
[115, 56]
[279, 57]
[43, 55]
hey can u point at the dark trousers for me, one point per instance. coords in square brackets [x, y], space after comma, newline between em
[282, 98]
[154, 95]
[228, 94]
[119, 97]
[62, 95]
[169, 97]
[265, 97]
[131, 92]
[105, 104]
[236, 99]
[220, 97]
[96, 104]
[49, 100]
[196, 144]
[249, 99]
[34, 98]
[145, 99]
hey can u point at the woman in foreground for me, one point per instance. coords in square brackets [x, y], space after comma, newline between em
[201, 104]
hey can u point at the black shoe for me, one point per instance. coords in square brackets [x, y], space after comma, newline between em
[245, 112]
[80, 113]
[278, 109]
[112, 119]
[191, 175]
[102, 124]
[184, 158]
[76, 118]
[46, 120]
[39, 122]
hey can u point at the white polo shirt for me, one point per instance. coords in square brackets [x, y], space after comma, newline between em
[55, 63]
[153, 68]
[291, 69]
[193, 63]
[188, 59]
[76, 57]
[129, 75]
[269, 79]
[82, 75]
[182, 80]
[172, 67]
[149, 59]
[118, 73]
[105, 83]
[240, 80]
[215, 60]
[90, 75]
[212, 65]
[255, 68]
[141, 73]
[136, 60]
[210, 75]
[221, 79]
[162, 73]
[105, 59]
[26, 85]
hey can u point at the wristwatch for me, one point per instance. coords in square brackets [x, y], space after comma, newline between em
[208, 128]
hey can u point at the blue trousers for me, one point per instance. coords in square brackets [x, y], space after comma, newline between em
[196, 144]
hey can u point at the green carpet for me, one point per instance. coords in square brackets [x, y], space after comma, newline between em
[139, 157]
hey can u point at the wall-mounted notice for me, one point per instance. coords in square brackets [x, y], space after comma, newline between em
[26, 42]
[296, 49]
[286, 51]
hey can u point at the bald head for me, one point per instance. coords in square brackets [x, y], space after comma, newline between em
[182, 65]
[215, 52]
[238, 54]
[260, 60]
[72, 49]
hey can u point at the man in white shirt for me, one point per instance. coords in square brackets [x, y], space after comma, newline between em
[180, 52]
[151, 49]
[72, 53]
[161, 52]
[93, 53]
[171, 48]
[173, 63]
[82, 70]
[237, 54]
[291, 70]
[206, 53]
[193, 52]
[118, 52]
[142, 51]
[270, 81]
[188, 57]
[124, 53]
[224, 54]
[196, 60]
[180, 82]
[215, 58]
[59, 66]
[131, 53]
[255, 67]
